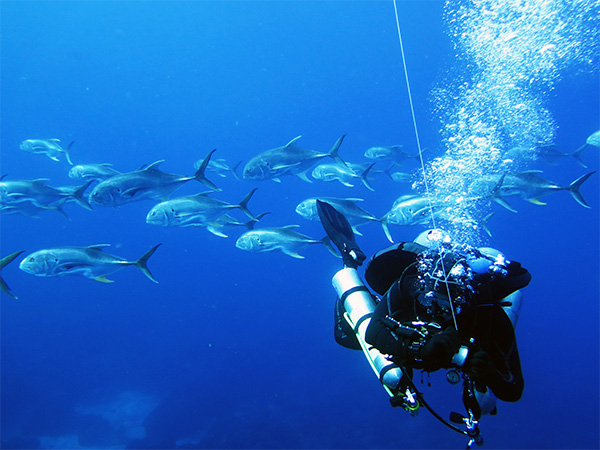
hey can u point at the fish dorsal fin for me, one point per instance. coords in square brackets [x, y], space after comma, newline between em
[154, 165]
[98, 246]
[54, 140]
[289, 227]
[355, 199]
[202, 194]
[293, 141]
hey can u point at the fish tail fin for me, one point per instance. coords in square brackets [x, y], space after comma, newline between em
[59, 208]
[577, 155]
[327, 243]
[576, 185]
[386, 228]
[67, 152]
[252, 222]
[364, 175]
[8, 259]
[4, 262]
[334, 150]
[234, 170]
[78, 195]
[244, 204]
[199, 175]
[484, 224]
[142, 263]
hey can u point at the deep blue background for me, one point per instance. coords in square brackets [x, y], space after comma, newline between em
[232, 349]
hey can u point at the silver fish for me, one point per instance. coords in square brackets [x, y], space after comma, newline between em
[220, 167]
[530, 186]
[96, 172]
[284, 239]
[148, 183]
[394, 153]
[226, 221]
[31, 210]
[287, 160]
[3, 263]
[347, 206]
[342, 173]
[40, 194]
[193, 210]
[90, 262]
[49, 147]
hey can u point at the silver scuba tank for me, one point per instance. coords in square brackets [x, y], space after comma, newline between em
[359, 305]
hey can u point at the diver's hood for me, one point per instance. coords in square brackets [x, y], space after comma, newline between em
[388, 265]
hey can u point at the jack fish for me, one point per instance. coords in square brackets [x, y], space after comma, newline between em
[342, 173]
[96, 172]
[394, 153]
[284, 239]
[287, 160]
[38, 193]
[347, 206]
[90, 262]
[49, 147]
[149, 183]
[198, 210]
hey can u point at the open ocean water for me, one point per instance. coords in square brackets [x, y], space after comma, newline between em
[233, 349]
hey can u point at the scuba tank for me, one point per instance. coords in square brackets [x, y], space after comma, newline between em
[359, 305]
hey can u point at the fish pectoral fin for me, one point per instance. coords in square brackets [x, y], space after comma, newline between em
[131, 192]
[284, 166]
[293, 254]
[302, 176]
[535, 201]
[103, 279]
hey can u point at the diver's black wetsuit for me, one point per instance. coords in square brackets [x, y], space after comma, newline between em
[486, 322]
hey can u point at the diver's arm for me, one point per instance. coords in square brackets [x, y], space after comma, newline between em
[381, 337]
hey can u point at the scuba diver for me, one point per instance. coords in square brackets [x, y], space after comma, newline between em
[442, 305]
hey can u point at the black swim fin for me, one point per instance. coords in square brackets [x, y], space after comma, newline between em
[340, 232]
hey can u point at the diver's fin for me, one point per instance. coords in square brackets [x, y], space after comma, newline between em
[340, 232]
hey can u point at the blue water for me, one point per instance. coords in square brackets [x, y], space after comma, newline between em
[234, 349]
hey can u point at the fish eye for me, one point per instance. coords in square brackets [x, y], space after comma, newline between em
[31, 259]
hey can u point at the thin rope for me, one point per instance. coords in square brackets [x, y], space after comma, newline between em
[425, 182]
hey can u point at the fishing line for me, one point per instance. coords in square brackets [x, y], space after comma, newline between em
[425, 182]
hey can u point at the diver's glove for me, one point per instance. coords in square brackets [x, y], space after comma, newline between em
[352, 257]
[479, 367]
[438, 351]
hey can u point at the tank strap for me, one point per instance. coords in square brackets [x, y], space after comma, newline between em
[353, 290]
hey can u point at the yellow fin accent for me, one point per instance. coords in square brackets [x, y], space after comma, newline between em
[102, 279]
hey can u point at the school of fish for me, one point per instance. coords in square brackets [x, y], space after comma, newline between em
[113, 188]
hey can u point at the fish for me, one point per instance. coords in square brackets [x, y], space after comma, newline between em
[394, 153]
[284, 239]
[146, 183]
[3, 263]
[287, 160]
[347, 206]
[49, 147]
[96, 172]
[593, 140]
[90, 262]
[409, 209]
[344, 173]
[530, 186]
[227, 221]
[194, 210]
[220, 167]
[31, 210]
[40, 194]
